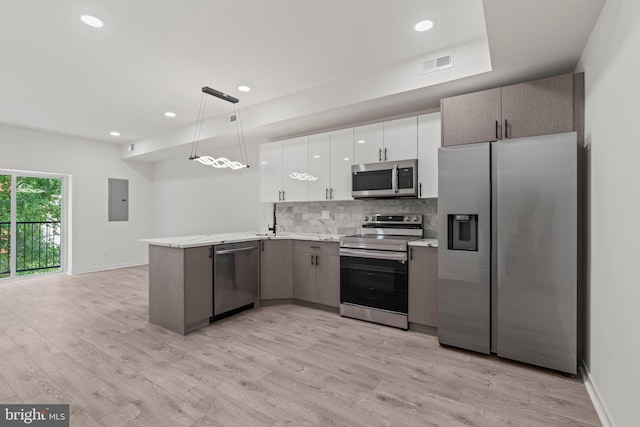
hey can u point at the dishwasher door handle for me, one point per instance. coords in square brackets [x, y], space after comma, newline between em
[231, 251]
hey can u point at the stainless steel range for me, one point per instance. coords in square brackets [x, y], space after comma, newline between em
[374, 270]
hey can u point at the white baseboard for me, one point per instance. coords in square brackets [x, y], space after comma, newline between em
[109, 267]
[598, 403]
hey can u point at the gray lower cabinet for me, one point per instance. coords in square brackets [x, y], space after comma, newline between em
[328, 280]
[316, 272]
[304, 276]
[423, 285]
[180, 287]
[276, 269]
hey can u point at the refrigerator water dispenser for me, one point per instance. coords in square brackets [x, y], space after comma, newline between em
[463, 232]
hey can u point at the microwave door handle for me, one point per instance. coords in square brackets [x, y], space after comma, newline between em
[394, 179]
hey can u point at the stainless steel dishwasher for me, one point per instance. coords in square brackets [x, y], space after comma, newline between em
[236, 277]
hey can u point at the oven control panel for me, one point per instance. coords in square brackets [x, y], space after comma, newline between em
[393, 219]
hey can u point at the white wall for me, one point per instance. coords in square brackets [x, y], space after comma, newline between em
[191, 198]
[95, 243]
[611, 64]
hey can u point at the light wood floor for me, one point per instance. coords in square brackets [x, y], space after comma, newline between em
[85, 340]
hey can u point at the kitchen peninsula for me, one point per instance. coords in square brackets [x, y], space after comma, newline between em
[181, 275]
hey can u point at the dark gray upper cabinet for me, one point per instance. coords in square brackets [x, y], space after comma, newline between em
[539, 107]
[470, 118]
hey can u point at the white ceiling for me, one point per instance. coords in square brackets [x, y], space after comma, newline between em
[313, 65]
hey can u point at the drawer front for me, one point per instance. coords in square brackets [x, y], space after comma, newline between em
[314, 247]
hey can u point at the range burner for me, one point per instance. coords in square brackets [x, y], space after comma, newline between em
[387, 232]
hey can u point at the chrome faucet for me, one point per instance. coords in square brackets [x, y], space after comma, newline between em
[274, 221]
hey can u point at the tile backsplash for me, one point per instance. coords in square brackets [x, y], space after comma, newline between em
[346, 217]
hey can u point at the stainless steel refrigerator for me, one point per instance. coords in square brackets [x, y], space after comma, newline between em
[507, 258]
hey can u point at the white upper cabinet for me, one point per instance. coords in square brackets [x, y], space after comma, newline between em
[429, 129]
[271, 172]
[400, 139]
[368, 143]
[295, 169]
[388, 141]
[319, 166]
[341, 161]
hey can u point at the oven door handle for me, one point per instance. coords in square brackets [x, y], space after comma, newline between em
[369, 253]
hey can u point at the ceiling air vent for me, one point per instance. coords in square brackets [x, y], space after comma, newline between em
[435, 64]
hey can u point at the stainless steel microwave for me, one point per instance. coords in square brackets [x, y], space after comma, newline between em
[385, 179]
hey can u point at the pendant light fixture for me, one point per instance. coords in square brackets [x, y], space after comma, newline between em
[220, 162]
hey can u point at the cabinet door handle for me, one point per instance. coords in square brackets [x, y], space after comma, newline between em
[211, 252]
[326, 194]
[279, 196]
[283, 195]
[262, 245]
[379, 154]
[410, 253]
[331, 194]
[496, 129]
[311, 259]
[315, 247]
[317, 260]
[506, 129]
[420, 190]
[385, 154]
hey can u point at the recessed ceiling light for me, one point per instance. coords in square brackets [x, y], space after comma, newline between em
[92, 21]
[263, 162]
[243, 88]
[170, 114]
[316, 156]
[346, 158]
[361, 141]
[424, 25]
[114, 133]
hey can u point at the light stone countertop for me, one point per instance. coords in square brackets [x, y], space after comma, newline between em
[430, 243]
[307, 236]
[222, 238]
